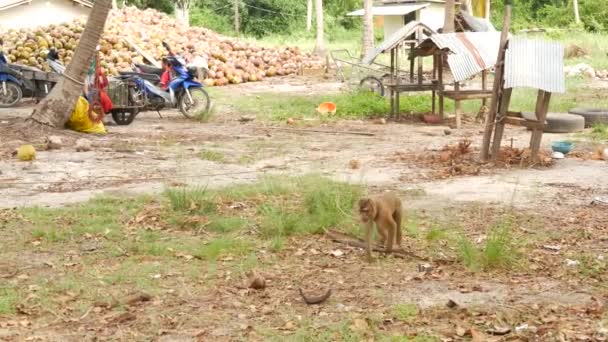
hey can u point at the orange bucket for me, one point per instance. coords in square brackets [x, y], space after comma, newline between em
[327, 107]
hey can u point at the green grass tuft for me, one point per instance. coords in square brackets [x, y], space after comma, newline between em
[190, 199]
[405, 312]
[220, 247]
[8, 300]
[213, 156]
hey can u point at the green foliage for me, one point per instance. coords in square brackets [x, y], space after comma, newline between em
[166, 6]
[8, 300]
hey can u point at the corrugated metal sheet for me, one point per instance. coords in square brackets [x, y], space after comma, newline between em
[6, 4]
[395, 39]
[390, 10]
[472, 52]
[535, 64]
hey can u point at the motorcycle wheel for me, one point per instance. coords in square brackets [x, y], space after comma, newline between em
[12, 97]
[201, 104]
[123, 117]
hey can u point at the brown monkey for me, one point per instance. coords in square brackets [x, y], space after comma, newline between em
[385, 211]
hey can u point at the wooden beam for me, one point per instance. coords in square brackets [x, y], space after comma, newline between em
[498, 84]
[142, 52]
[509, 120]
[484, 86]
[440, 86]
[542, 107]
[397, 109]
[500, 124]
[458, 107]
[467, 94]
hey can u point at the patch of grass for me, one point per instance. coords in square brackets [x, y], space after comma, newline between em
[8, 299]
[211, 155]
[468, 254]
[356, 104]
[191, 199]
[435, 234]
[279, 221]
[405, 312]
[226, 224]
[599, 132]
[220, 247]
[277, 243]
[417, 338]
[97, 216]
[591, 266]
[500, 249]
[266, 186]
[328, 203]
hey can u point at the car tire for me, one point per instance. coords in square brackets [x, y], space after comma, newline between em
[560, 122]
[592, 116]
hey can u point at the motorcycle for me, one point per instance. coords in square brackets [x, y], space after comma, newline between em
[132, 92]
[13, 84]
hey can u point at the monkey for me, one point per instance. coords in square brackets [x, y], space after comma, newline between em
[481, 115]
[385, 211]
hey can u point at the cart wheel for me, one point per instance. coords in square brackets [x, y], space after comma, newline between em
[123, 118]
[373, 84]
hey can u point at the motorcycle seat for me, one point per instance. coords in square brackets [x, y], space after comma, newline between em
[148, 77]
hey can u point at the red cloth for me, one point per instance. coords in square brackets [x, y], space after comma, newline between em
[106, 102]
[165, 79]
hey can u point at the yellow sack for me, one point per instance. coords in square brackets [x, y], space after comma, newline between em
[80, 121]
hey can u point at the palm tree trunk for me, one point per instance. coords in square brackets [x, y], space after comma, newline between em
[448, 24]
[368, 27]
[55, 109]
[320, 44]
[577, 16]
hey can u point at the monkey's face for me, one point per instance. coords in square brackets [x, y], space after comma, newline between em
[366, 209]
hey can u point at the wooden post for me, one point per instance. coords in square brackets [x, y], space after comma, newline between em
[412, 62]
[397, 104]
[391, 87]
[542, 107]
[236, 17]
[434, 80]
[484, 86]
[498, 83]
[457, 106]
[505, 101]
[440, 86]
[419, 33]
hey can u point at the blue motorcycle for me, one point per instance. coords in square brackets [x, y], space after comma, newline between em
[12, 84]
[132, 92]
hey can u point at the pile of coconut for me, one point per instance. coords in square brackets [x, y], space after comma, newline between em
[230, 60]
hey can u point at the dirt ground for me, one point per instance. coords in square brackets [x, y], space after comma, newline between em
[545, 303]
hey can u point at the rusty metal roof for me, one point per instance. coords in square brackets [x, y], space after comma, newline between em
[471, 52]
[535, 64]
[395, 39]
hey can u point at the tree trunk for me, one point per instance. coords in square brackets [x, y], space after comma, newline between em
[320, 44]
[55, 109]
[577, 16]
[181, 12]
[114, 4]
[237, 20]
[368, 27]
[308, 15]
[488, 13]
[448, 24]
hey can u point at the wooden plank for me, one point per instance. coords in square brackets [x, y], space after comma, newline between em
[458, 107]
[542, 108]
[412, 62]
[440, 85]
[498, 84]
[411, 87]
[514, 114]
[509, 120]
[142, 52]
[397, 98]
[420, 59]
[484, 86]
[467, 94]
[500, 124]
